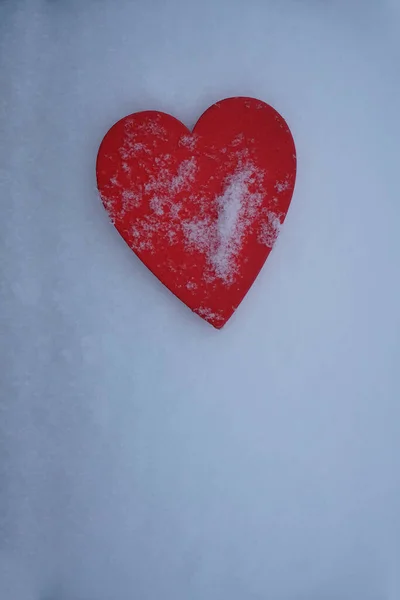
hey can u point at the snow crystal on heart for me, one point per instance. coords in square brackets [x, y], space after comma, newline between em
[134, 148]
[221, 225]
[162, 189]
[231, 222]
[208, 314]
[269, 229]
[174, 210]
[186, 174]
[198, 233]
[157, 205]
[238, 140]
[188, 141]
[130, 200]
[109, 204]
[282, 186]
[164, 181]
[221, 239]
[152, 126]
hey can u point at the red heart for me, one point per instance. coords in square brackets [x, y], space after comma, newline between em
[202, 210]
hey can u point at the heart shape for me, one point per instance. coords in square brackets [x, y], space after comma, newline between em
[201, 209]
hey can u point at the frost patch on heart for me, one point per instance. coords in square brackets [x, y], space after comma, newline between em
[236, 209]
[143, 236]
[209, 315]
[269, 229]
[221, 225]
[129, 200]
[151, 126]
[164, 186]
[282, 186]
[163, 182]
[188, 141]
[157, 205]
[198, 233]
[109, 204]
[239, 139]
[221, 239]
[131, 147]
[186, 174]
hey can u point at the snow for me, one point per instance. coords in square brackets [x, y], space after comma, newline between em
[166, 181]
[281, 186]
[230, 209]
[157, 205]
[185, 175]
[237, 211]
[143, 453]
[219, 237]
[209, 314]
[270, 229]
[197, 234]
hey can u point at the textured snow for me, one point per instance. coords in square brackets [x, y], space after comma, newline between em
[281, 186]
[188, 141]
[209, 314]
[164, 182]
[186, 173]
[269, 229]
[142, 453]
[237, 207]
[198, 233]
[219, 239]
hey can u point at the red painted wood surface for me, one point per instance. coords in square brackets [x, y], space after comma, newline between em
[201, 209]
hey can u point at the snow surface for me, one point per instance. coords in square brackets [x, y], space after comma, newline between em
[142, 453]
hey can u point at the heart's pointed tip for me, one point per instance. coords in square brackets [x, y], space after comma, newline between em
[217, 326]
[216, 321]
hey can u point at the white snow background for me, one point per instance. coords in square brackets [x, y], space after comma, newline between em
[144, 455]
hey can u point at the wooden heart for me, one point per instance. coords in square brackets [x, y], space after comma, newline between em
[201, 209]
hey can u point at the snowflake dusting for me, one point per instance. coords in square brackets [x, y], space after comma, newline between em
[217, 234]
